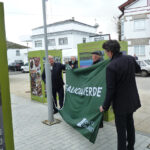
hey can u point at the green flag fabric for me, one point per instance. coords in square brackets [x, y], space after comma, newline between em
[84, 93]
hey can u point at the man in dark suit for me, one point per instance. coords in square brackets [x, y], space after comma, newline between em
[73, 63]
[136, 58]
[57, 82]
[121, 91]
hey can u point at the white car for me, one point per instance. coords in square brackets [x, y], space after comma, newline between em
[25, 68]
[145, 67]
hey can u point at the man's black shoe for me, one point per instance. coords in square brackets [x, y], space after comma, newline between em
[55, 112]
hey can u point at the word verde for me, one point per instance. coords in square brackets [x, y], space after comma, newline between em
[86, 91]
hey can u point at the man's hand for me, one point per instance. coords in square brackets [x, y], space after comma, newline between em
[101, 109]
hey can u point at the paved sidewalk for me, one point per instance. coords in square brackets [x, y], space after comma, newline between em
[31, 134]
[141, 116]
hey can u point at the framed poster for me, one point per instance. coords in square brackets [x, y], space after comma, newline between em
[35, 75]
[85, 50]
[86, 59]
[36, 67]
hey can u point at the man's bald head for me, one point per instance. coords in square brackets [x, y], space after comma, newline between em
[51, 59]
[73, 58]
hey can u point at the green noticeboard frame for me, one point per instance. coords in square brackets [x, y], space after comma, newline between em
[36, 65]
[85, 60]
[85, 50]
[7, 142]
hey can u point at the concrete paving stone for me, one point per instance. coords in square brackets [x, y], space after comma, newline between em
[19, 79]
[31, 134]
[138, 148]
[144, 144]
[106, 146]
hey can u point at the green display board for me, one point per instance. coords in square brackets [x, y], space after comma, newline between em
[36, 65]
[85, 49]
[6, 131]
[85, 60]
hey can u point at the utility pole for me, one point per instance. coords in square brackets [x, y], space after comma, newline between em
[51, 119]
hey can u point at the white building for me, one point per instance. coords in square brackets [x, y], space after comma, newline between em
[65, 35]
[16, 52]
[135, 27]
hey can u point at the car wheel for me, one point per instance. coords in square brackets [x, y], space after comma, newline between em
[144, 73]
[22, 70]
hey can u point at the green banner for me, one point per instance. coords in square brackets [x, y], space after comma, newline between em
[85, 92]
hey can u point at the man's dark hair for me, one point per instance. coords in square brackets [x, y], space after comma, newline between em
[112, 45]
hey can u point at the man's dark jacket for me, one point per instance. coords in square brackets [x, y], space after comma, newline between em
[74, 64]
[57, 80]
[99, 60]
[121, 85]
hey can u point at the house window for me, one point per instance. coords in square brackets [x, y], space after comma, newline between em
[139, 24]
[38, 43]
[84, 40]
[17, 52]
[51, 42]
[148, 2]
[139, 50]
[99, 38]
[63, 41]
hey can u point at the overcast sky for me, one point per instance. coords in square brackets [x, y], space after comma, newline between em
[21, 16]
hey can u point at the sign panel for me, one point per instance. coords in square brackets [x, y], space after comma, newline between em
[2, 140]
[6, 131]
[37, 65]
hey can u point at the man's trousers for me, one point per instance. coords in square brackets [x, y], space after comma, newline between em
[60, 92]
[125, 131]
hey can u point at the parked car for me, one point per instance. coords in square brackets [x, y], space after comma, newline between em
[145, 67]
[25, 68]
[15, 66]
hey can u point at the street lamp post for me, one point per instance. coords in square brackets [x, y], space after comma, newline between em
[51, 119]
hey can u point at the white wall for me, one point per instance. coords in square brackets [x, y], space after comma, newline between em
[134, 10]
[73, 40]
[139, 3]
[131, 33]
[11, 55]
[147, 52]
[64, 27]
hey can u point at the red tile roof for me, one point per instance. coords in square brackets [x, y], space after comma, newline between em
[121, 7]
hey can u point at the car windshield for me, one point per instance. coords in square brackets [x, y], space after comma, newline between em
[141, 63]
[26, 64]
[147, 61]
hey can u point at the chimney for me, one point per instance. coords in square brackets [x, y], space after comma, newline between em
[73, 18]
